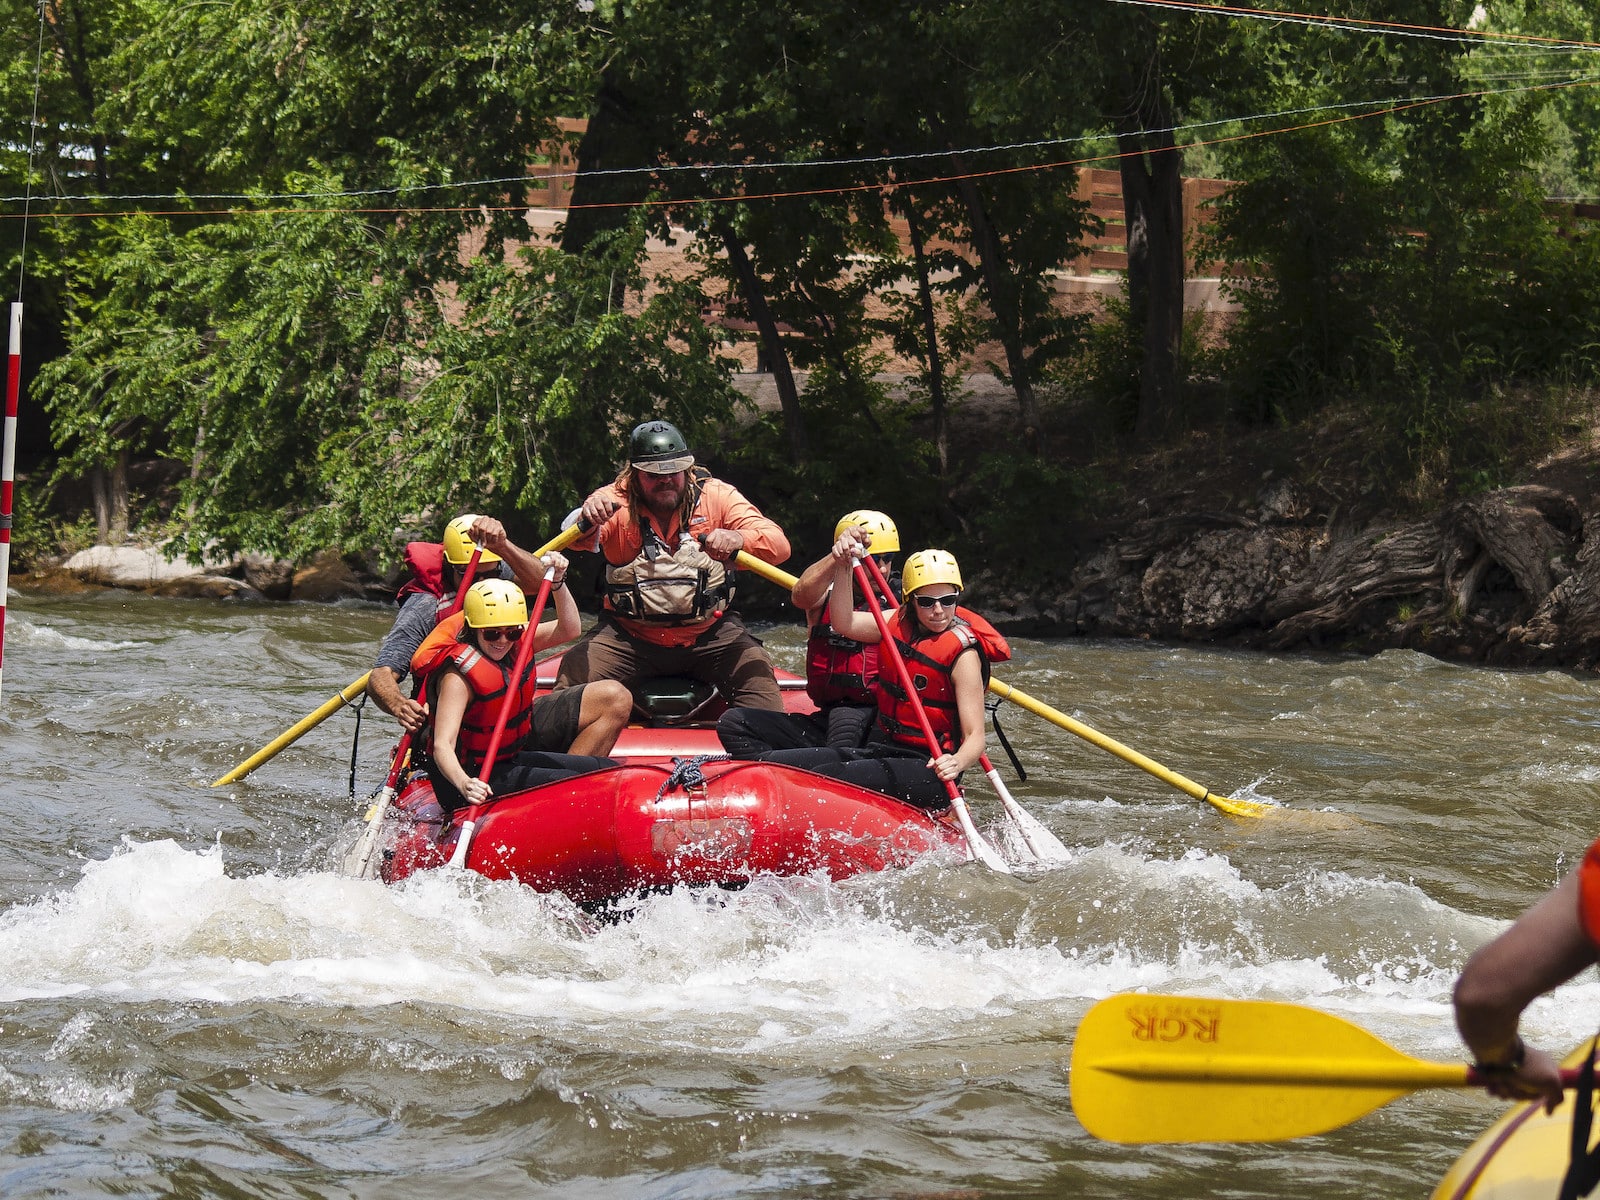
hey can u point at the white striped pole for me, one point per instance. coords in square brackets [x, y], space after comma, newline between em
[8, 466]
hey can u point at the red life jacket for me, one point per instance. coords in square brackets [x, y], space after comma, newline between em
[426, 561]
[837, 668]
[489, 682]
[930, 659]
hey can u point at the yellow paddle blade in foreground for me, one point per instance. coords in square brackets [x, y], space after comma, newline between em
[1188, 1069]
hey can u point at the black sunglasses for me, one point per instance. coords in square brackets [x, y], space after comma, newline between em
[950, 601]
[507, 633]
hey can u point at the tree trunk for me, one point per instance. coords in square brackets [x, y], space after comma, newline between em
[616, 138]
[1152, 198]
[108, 489]
[930, 333]
[1003, 303]
[755, 300]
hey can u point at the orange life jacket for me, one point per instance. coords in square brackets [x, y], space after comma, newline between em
[931, 659]
[489, 681]
[1589, 893]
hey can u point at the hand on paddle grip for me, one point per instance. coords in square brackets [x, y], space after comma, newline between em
[599, 506]
[851, 545]
[489, 534]
[1536, 1075]
[722, 544]
[556, 565]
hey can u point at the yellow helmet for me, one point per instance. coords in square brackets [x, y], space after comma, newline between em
[930, 566]
[458, 543]
[885, 537]
[495, 604]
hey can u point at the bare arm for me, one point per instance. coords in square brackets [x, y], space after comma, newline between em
[842, 614]
[384, 688]
[810, 591]
[491, 535]
[1543, 949]
[967, 675]
[569, 622]
[453, 697]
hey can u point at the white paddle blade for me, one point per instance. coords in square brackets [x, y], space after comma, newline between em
[362, 861]
[1046, 846]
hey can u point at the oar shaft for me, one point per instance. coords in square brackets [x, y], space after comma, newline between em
[296, 731]
[766, 570]
[1296, 1072]
[1236, 808]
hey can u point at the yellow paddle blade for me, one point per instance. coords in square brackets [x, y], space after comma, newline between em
[1187, 1069]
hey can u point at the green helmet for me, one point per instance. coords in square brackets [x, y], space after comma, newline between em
[659, 449]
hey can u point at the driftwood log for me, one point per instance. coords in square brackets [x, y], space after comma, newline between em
[1510, 576]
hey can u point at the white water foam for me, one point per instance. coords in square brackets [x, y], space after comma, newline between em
[786, 967]
[21, 631]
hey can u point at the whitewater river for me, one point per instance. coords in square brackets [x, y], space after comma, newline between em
[194, 1004]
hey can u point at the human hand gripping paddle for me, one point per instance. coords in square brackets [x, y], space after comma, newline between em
[524, 653]
[1046, 846]
[351, 693]
[981, 850]
[361, 862]
[1149, 1068]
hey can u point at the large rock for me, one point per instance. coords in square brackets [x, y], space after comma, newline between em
[272, 577]
[143, 567]
[327, 577]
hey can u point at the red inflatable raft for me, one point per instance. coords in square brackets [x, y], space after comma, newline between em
[675, 812]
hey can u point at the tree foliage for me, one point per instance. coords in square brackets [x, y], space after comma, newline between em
[303, 272]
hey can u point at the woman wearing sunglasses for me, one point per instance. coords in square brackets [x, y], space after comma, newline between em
[468, 671]
[947, 651]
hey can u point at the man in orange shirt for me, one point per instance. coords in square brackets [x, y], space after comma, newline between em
[668, 531]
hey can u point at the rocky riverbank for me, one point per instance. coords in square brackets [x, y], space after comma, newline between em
[1278, 540]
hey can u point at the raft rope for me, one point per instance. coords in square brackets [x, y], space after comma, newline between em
[1583, 1170]
[992, 703]
[355, 742]
[686, 773]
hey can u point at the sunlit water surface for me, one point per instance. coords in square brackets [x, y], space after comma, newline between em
[194, 1003]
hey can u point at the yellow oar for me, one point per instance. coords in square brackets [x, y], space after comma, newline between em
[1187, 1069]
[311, 720]
[296, 731]
[1234, 808]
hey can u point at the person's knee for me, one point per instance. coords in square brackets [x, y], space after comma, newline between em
[612, 701]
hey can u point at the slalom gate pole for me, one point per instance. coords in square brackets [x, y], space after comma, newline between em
[8, 465]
